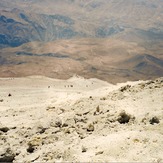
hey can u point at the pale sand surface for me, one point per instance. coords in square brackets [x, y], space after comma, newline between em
[50, 120]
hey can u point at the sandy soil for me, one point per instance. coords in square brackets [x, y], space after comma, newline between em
[50, 120]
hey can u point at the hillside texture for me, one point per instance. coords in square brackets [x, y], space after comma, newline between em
[115, 40]
[48, 120]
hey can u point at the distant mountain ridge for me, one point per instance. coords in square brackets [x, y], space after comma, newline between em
[35, 28]
[113, 40]
[24, 21]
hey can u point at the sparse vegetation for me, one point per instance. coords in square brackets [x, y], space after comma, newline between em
[123, 117]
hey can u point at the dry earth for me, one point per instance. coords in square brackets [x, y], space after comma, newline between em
[49, 120]
[112, 60]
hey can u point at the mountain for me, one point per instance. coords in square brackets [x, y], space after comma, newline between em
[25, 21]
[115, 40]
[109, 59]
[36, 27]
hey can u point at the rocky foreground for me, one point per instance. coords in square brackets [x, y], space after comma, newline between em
[48, 120]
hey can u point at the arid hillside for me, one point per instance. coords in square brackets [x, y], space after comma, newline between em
[80, 120]
[112, 60]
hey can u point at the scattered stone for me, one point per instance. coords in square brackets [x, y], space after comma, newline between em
[7, 156]
[4, 129]
[62, 110]
[149, 82]
[159, 80]
[9, 95]
[90, 127]
[154, 120]
[33, 143]
[99, 153]
[86, 112]
[42, 130]
[36, 158]
[50, 108]
[136, 140]
[58, 122]
[30, 148]
[79, 114]
[141, 85]
[65, 124]
[97, 112]
[82, 136]
[123, 118]
[124, 88]
[103, 98]
[98, 109]
[1, 100]
[144, 120]
[84, 149]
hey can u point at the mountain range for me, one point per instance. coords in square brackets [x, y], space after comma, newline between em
[114, 40]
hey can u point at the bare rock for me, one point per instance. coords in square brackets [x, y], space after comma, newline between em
[90, 127]
[97, 112]
[33, 143]
[141, 85]
[124, 88]
[4, 129]
[154, 120]
[98, 109]
[99, 153]
[30, 148]
[9, 95]
[50, 108]
[149, 82]
[7, 155]
[84, 149]
[103, 98]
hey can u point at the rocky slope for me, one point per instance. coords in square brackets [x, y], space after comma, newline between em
[48, 120]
